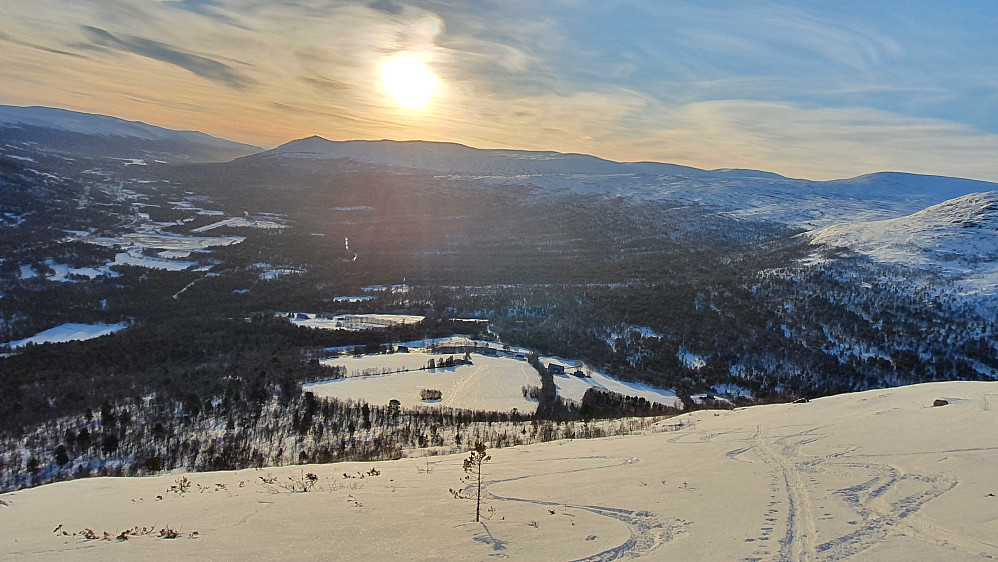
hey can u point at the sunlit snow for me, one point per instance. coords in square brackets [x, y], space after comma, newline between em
[69, 332]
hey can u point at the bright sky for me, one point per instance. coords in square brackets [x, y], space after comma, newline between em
[803, 88]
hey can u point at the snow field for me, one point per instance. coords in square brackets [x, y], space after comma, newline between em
[69, 332]
[164, 241]
[877, 475]
[490, 383]
[573, 387]
[354, 322]
[240, 222]
[63, 271]
[136, 258]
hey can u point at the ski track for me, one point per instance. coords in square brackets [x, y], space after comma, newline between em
[648, 531]
[880, 504]
[797, 543]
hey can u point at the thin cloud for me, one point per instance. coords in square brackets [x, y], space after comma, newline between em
[199, 65]
[812, 90]
[386, 6]
[324, 84]
[206, 8]
[5, 37]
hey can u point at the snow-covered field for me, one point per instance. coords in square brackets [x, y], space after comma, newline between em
[353, 299]
[573, 387]
[61, 272]
[353, 322]
[878, 475]
[136, 258]
[172, 246]
[490, 383]
[69, 332]
[242, 222]
[165, 241]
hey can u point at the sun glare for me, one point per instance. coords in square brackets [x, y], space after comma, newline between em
[409, 82]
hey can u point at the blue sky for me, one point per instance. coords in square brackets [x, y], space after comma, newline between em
[807, 89]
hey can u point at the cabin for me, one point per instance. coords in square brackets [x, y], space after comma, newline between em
[556, 369]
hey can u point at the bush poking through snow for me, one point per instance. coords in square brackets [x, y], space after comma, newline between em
[182, 486]
[89, 534]
[169, 533]
[302, 483]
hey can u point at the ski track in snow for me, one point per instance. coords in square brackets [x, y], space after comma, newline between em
[648, 531]
[885, 501]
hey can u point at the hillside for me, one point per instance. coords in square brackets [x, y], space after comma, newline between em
[86, 134]
[744, 194]
[958, 238]
[878, 475]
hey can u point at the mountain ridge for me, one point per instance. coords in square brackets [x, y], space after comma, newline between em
[90, 134]
[318, 146]
[750, 194]
[89, 123]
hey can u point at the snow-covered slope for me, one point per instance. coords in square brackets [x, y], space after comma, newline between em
[747, 194]
[878, 475]
[44, 125]
[69, 332]
[76, 122]
[958, 237]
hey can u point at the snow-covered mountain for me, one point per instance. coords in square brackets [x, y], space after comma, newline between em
[958, 238]
[741, 193]
[453, 158]
[84, 133]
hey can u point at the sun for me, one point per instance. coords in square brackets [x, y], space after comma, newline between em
[409, 82]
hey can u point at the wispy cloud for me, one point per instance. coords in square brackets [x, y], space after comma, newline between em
[823, 143]
[9, 39]
[207, 8]
[200, 65]
[812, 90]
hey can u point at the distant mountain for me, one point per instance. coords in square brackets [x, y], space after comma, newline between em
[102, 136]
[749, 194]
[456, 158]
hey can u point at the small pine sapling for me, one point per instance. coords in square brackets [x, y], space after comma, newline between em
[473, 466]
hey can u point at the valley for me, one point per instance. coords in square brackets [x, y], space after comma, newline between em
[446, 280]
[676, 288]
